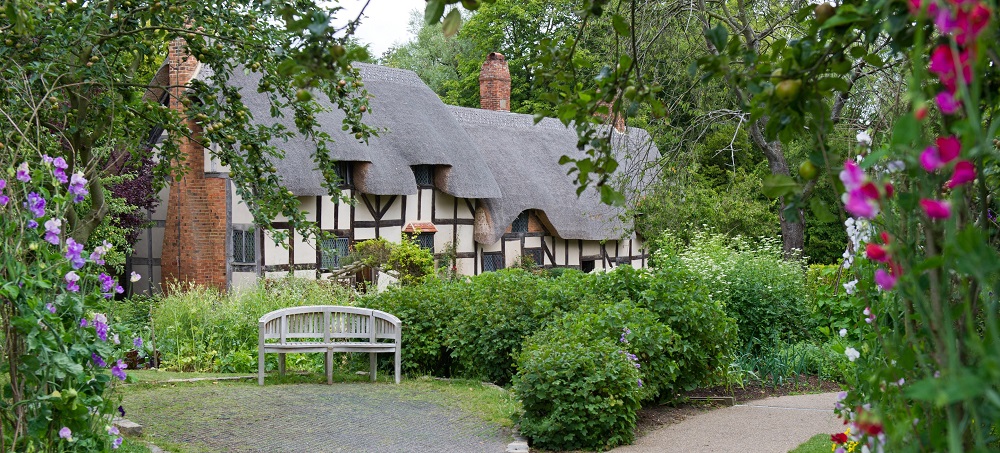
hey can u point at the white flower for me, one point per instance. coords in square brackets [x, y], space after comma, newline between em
[116, 340]
[101, 317]
[867, 311]
[859, 158]
[852, 354]
[135, 277]
[850, 287]
[843, 333]
[864, 139]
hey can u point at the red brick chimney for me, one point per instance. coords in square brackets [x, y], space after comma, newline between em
[194, 241]
[494, 83]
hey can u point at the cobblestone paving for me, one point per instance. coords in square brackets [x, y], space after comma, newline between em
[307, 418]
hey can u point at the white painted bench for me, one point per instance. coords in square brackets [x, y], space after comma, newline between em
[327, 329]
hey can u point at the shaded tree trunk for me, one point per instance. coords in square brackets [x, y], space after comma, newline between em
[793, 230]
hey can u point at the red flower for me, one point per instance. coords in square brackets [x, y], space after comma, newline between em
[839, 438]
[965, 172]
[875, 252]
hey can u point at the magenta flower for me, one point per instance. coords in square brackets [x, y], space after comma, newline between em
[76, 186]
[36, 204]
[52, 231]
[47, 159]
[4, 199]
[859, 205]
[74, 253]
[118, 370]
[936, 209]
[23, 174]
[936, 157]
[60, 171]
[98, 360]
[51, 308]
[83, 322]
[970, 22]
[71, 281]
[947, 103]
[852, 175]
[948, 68]
[65, 433]
[965, 172]
[884, 280]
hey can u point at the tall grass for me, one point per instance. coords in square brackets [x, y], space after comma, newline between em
[202, 329]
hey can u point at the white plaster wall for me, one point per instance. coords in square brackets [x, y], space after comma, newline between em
[344, 213]
[466, 241]
[574, 252]
[463, 209]
[445, 205]
[391, 234]
[466, 266]
[274, 254]
[329, 213]
[305, 251]
[361, 214]
[240, 211]
[361, 234]
[494, 247]
[243, 280]
[591, 248]
[426, 195]
[412, 209]
[532, 242]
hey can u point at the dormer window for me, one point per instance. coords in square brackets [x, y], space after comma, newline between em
[344, 172]
[520, 224]
[424, 175]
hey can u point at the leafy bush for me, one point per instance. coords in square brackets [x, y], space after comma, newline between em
[762, 290]
[832, 308]
[405, 260]
[201, 329]
[578, 390]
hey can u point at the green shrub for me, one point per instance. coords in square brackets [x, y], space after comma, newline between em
[578, 390]
[764, 292]
[639, 332]
[831, 308]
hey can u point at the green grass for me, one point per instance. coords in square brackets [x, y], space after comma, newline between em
[133, 446]
[819, 443]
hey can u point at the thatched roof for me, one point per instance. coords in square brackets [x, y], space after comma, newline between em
[524, 158]
[419, 131]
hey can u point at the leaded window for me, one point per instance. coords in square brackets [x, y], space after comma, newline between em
[535, 255]
[520, 224]
[424, 175]
[332, 251]
[244, 246]
[426, 241]
[492, 261]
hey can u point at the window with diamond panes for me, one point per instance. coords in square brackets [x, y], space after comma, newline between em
[333, 250]
[520, 224]
[536, 256]
[244, 246]
[426, 241]
[492, 262]
[424, 175]
[343, 170]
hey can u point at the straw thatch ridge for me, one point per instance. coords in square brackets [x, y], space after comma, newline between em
[417, 130]
[524, 158]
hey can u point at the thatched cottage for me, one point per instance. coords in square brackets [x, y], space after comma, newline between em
[484, 181]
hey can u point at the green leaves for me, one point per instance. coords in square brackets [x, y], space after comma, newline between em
[718, 36]
[776, 186]
[452, 22]
[433, 11]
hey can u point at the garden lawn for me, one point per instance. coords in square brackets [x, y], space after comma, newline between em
[302, 413]
[819, 443]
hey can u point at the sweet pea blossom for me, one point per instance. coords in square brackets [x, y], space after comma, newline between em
[118, 370]
[4, 199]
[65, 433]
[59, 172]
[843, 333]
[74, 253]
[884, 280]
[864, 139]
[946, 149]
[107, 284]
[35, 204]
[51, 308]
[850, 287]
[23, 173]
[117, 443]
[947, 103]
[134, 277]
[101, 326]
[97, 255]
[115, 340]
[949, 67]
[76, 186]
[137, 342]
[52, 231]
[98, 360]
[71, 281]
[876, 252]
[936, 209]
[965, 172]
[852, 354]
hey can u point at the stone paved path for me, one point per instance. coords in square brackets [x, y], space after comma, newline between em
[309, 418]
[768, 425]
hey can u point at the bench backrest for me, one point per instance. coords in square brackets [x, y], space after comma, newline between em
[329, 323]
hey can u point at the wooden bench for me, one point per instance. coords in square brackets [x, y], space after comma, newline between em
[327, 329]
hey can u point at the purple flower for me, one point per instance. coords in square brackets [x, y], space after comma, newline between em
[98, 255]
[116, 443]
[137, 342]
[121, 410]
[83, 322]
[23, 174]
[106, 282]
[32, 224]
[71, 282]
[884, 280]
[4, 199]
[76, 186]
[98, 361]
[35, 204]
[640, 383]
[46, 159]
[51, 308]
[65, 433]
[101, 326]
[113, 430]
[118, 370]
[60, 171]
[52, 231]
[74, 253]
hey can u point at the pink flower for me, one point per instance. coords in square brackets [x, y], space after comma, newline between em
[970, 22]
[884, 280]
[860, 205]
[935, 157]
[65, 433]
[947, 67]
[876, 252]
[852, 176]
[965, 172]
[936, 209]
[947, 103]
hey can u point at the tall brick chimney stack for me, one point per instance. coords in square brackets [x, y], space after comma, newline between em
[494, 83]
[194, 242]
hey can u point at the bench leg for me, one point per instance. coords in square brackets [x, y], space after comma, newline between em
[374, 362]
[260, 367]
[329, 367]
[281, 363]
[397, 365]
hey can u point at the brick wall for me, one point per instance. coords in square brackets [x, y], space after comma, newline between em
[194, 243]
[494, 83]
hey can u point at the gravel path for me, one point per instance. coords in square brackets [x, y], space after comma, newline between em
[308, 418]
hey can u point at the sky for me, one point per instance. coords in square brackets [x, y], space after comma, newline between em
[386, 22]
